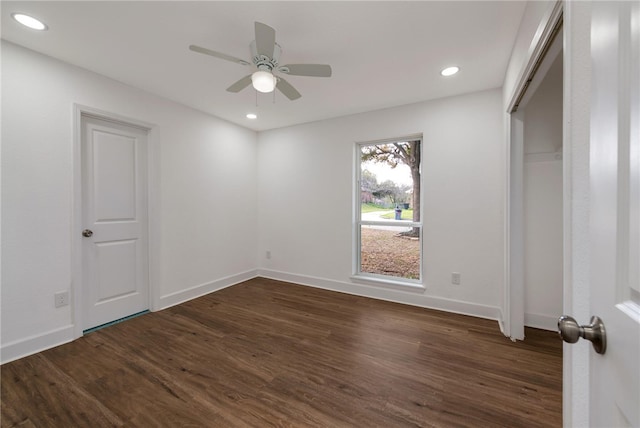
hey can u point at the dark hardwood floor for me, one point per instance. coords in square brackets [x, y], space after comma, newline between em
[267, 353]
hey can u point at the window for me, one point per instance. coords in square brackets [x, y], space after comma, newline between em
[388, 223]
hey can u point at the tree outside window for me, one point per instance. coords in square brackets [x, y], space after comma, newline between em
[389, 226]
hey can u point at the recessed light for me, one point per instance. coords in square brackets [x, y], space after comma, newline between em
[252, 116]
[29, 21]
[449, 71]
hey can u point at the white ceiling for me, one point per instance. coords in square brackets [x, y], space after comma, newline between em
[383, 54]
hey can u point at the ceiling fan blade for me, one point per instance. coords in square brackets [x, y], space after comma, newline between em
[288, 90]
[240, 84]
[265, 39]
[218, 55]
[314, 70]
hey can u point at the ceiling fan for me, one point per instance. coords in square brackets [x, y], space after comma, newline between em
[265, 54]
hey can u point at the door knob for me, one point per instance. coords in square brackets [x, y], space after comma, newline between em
[571, 332]
[87, 233]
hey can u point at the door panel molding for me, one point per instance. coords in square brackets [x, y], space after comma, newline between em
[615, 103]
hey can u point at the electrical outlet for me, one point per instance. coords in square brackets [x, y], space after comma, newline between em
[61, 299]
[268, 255]
[455, 278]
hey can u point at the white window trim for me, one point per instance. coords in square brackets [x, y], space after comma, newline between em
[389, 282]
[377, 279]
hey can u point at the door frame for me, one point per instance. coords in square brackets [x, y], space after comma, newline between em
[576, 17]
[153, 198]
[544, 48]
[576, 181]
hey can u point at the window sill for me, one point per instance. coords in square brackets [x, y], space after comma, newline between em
[396, 284]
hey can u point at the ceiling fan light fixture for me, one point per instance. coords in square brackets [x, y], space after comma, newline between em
[252, 116]
[263, 81]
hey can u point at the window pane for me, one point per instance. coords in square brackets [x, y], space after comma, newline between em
[389, 184]
[390, 250]
[390, 181]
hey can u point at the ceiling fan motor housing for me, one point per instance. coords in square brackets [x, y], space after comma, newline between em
[263, 62]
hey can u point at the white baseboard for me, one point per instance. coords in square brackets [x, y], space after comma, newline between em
[501, 321]
[34, 344]
[391, 295]
[543, 322]
[202, 289]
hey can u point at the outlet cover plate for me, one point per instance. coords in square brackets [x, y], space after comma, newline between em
[455, 278]
[61, 299]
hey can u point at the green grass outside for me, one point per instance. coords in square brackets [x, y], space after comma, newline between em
[367, 208]
[406, 215]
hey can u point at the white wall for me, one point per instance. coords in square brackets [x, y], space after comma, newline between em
[213, 177]
[543, 243]
[306, 200]
[543, 202]
[543, 114]
[205, 208]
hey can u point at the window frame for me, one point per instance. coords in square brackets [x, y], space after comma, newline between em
[379, 279]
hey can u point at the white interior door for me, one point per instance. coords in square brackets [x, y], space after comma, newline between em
[114, 212]
[615, 212]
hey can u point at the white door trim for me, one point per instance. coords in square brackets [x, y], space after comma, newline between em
[153, 190]
[537, 64]
[576, 141]
[514, 289]
[540, 44]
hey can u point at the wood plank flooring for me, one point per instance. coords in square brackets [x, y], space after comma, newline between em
[266, 353]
